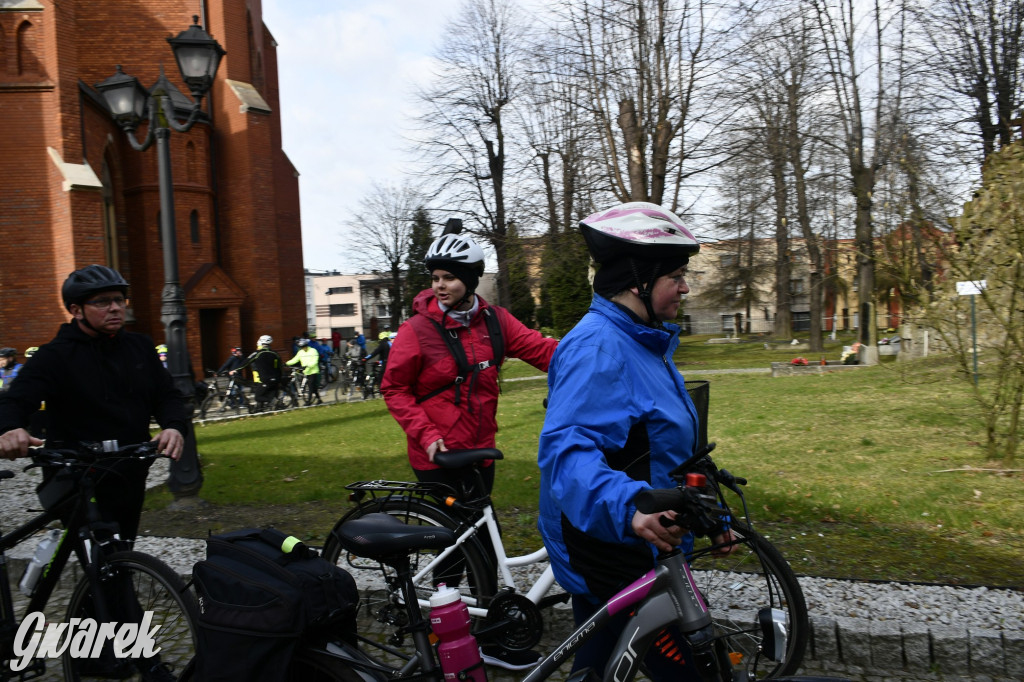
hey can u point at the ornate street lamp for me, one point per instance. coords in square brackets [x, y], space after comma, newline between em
[198, 56]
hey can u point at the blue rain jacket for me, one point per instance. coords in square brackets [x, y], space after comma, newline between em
[610, 376]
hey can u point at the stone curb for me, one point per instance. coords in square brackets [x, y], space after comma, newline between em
[869, 651]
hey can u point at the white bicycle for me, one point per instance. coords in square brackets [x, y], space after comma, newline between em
[739, 587]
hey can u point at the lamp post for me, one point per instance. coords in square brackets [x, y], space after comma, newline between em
[198, 56]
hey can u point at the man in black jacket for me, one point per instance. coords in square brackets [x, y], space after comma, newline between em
[266, 371]
[99, 383]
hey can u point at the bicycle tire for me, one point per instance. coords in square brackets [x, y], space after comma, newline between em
[735, 587]
[478, 585]
[286, 398]
[206, 403]
[157, 589]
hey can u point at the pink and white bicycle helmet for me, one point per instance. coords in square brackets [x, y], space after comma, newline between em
[638, 229]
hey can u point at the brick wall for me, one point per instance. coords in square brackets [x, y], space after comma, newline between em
[231, 172]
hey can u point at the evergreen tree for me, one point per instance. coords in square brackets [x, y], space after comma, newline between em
[416, 276]
[565, 290]
[521, 303]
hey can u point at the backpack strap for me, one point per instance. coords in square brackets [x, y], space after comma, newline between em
[465, 369]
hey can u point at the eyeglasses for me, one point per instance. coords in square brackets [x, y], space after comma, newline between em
[105, 302]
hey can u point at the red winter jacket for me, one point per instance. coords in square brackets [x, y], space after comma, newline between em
[420, 362]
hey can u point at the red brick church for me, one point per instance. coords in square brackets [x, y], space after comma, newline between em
[74, 192]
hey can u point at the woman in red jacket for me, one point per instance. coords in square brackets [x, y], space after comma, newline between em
[420, 384]
[443, 406]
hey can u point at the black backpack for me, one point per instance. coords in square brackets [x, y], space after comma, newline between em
[466, 370]
[260, 592]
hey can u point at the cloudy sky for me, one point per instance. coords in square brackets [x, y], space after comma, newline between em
[346, 70]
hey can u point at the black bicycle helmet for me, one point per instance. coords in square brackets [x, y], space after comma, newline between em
[7, 352]
[90, 280]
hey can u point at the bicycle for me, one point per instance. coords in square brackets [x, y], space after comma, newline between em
[350, 377]
[371, 381]
[670, 594]
[118, 585]
[284, 396]
[752, 577]
[309, 396]
[223, 397]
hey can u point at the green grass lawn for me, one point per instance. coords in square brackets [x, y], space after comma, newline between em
[871, 474]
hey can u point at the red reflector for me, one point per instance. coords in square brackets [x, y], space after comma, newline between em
[696, 480]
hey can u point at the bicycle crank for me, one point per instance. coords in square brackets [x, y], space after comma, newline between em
[513, 621]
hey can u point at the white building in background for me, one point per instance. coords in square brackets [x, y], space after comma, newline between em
[337, 305]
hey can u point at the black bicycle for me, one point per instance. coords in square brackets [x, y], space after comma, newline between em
[226, 393]
[128, 589]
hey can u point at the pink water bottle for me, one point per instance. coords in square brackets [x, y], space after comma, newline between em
[458, 650]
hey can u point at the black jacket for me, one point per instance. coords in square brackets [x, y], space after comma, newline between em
[95, 388]
[233, 362]
[266, 366]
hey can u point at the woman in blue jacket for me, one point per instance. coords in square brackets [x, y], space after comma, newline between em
[618, 421]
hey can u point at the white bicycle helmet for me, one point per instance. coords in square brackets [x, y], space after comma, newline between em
[264, 340]
[455, 248]
[638, 229]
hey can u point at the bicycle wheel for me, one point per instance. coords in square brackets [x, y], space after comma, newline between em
[345, 386]
[136, 584]
[470, 571]
[736, 587]
[206, 403]
[287, 397]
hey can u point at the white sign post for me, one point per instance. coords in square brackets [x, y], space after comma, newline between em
[973, 288]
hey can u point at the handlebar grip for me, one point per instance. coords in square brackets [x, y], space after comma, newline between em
[656, 500]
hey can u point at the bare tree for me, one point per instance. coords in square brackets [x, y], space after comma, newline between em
[465, 141]
[743, 270]
[380, 233]
[978, 50]
[645, 68]
[864, 45]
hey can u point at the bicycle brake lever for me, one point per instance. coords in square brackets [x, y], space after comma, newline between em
[731, 482]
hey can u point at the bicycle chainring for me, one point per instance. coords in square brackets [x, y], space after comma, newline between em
[521, 620]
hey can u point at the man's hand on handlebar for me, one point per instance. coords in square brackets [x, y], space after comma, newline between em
[170, 442]
[15, 443]
[650, 528]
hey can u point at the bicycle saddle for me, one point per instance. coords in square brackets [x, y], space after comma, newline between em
[456, 459]
[379, 535]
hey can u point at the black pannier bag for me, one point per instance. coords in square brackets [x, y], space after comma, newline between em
[260, 592]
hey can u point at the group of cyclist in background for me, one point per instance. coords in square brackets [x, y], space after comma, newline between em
[315, 364]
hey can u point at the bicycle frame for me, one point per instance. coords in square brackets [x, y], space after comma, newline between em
[83, 519]
[487, 518]
[666, 594]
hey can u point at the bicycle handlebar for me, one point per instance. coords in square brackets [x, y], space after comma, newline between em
[90, 452]
[696, 510]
